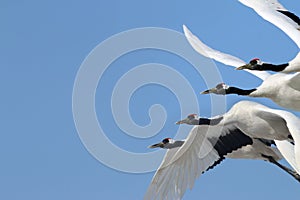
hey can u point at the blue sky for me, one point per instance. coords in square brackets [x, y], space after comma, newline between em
[43, 45]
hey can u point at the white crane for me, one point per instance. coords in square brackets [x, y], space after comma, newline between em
[233, 135]
[274, 12]
[283, 89]
[183, 165]
[259, 121]
[259, 149]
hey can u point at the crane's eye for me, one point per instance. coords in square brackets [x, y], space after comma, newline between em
[165, 141]
[221, 86]
[254, 61]
[191, 116]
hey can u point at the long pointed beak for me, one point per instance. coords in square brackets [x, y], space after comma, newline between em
[212, 90]
[182, 121]
[158, 145]
[247, 66]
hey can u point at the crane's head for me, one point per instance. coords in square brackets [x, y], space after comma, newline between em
[219, 89]
[163, 144]
[191, 119]
[254, 64]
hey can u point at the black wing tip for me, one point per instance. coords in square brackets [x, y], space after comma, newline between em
[290, 15]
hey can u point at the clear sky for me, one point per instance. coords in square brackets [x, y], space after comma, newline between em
[44, 43]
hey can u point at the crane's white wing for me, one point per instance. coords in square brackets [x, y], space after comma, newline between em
[224, 58]
[275, 119]
[294, 81]
[206, 51]
[158, 176]
[204, 148]
[292, 123]
[287, 151]
[275, 13]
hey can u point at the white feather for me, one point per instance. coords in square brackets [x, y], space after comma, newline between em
[224, 58]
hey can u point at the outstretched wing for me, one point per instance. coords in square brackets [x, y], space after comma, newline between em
[275, 13]
[204, 148]
[159, 174]
[224, 58]
[280, 119]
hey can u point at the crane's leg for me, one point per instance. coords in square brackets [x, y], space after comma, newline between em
[288, 170]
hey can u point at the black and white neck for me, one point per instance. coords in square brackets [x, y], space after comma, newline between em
[223, 89]
[257, 64]
[271, 67]
[193, 119]
[238, 91]
[207, 121]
